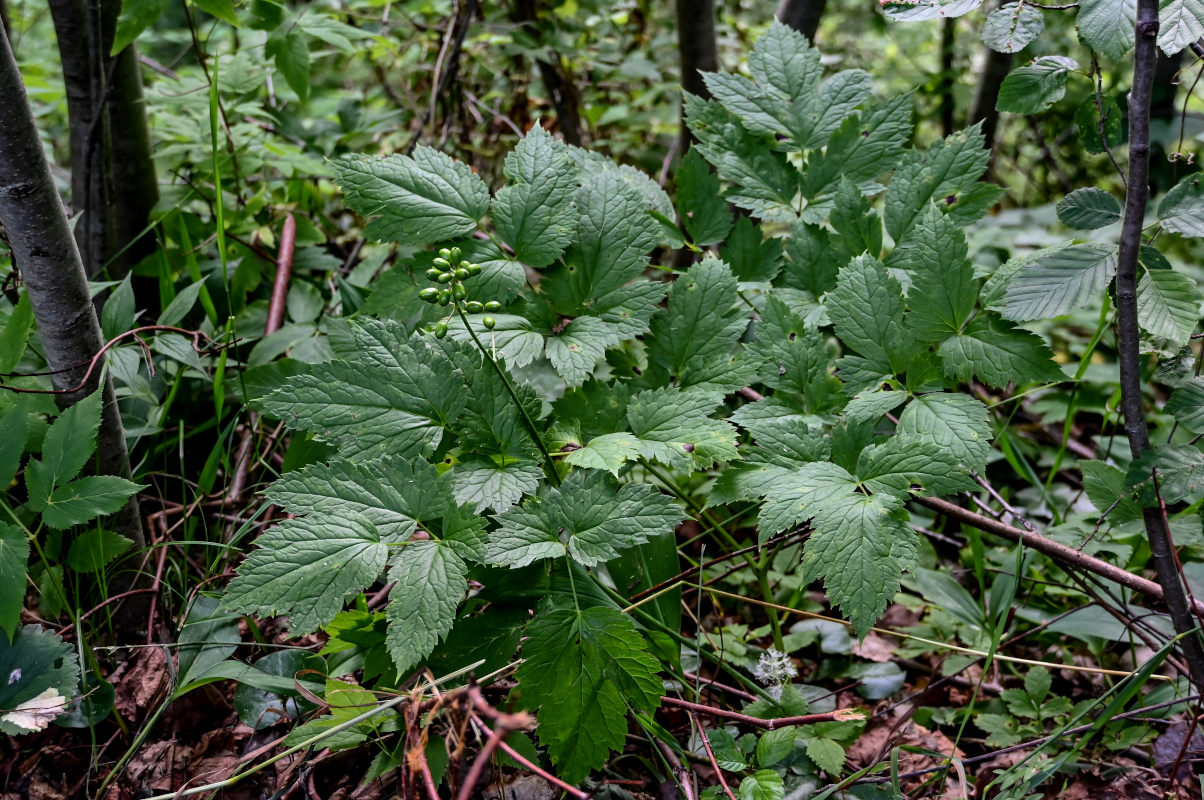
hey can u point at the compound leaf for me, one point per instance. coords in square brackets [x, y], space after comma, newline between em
[534, 214]
[998, 352]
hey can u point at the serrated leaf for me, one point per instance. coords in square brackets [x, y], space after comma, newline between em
[1035, 86]
[534, 214]
[923, 10]
[866, 308]
[674, 427]
[429, 580]
[948, 167]
[1105, 487]
[581, 669]
[871, 405]
[1180, 22]
[751, 256]
[865, 145]
[902, 460]
[1182, 208]
[14, 560]
[512, 339]
[1187, 405]
[394, 494]
[1168, 304]
[1102, 126]
[585, 518]
[91, 551]
[803, 494]
[1180, 474]
[827, 754]
[1012, 27]
[1107, 26]
[394, 397]
[35, 663]
[1056, 282]
[943, 289]
[764, 784]
[290, 52]
[700, 203]
[811, 265]
[574, 352]
[14, 429]
[793, 355]
[307, 568]
[485, 482]
[1087, 209]
[609, 452]
[998, 352]
[67, 446]
[956, 422]
[86, 499]
[413, 200]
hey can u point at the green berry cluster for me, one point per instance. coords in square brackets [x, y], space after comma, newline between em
[451, 269]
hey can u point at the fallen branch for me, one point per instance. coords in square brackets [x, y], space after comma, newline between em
[839, 715]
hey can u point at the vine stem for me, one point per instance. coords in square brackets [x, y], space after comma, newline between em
[1128, 333]
[549, 466]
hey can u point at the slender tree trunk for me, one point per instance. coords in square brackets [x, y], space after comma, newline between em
[46, 254]
[564, 95]
[135, 189]
[945, 83]
[995, 68]
[697, 50]
[802, 15]
[1128, 334]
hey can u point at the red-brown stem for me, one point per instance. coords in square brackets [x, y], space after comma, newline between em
[284, 273]
[150, 617]
[535, 769]
[706, 743]
[839, 715]
[424, 769]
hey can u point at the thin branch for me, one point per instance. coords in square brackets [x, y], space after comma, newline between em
[839, 715]
[706, 743]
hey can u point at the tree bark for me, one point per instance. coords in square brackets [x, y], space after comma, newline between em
[946, 80]
[697, 50]
[1128, 333]
[802, 15]
[46, 255]
[995, 68]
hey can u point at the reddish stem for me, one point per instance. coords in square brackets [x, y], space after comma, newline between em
[706, 743]
[839, 715]
[284, 273]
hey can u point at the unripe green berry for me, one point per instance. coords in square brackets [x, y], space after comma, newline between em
[442, 262]
[493, 306]
[473, 307]
[474, 269]
[461, 274]
[445, 297]
[433, 273]
[444, 277]
[454, 254]
[488, 322]
[458, 291]
[444, 253]
[441, 330]
[430, 294]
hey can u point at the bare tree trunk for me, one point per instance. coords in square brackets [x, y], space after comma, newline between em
[135, 189]
[947, 77]
[995, 68]
[46, 254]
[564, 95]
[697, 50]
[802, 15]
[1128, 334]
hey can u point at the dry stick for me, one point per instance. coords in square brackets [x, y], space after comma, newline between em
[424, 769]
[680, 772]
[1055, 550]
[535, 769]
[706, 743]
[839, 715]
[505, 723]
[1128, 332]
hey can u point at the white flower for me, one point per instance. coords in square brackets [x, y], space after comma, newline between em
[774, 668]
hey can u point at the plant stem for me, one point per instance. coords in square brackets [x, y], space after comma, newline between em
[1128, 334]
[549, 466]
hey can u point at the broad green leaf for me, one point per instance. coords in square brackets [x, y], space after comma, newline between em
[1180, 474]
[695, 339]
[413, 200]
[775, 745]
[494, 482]
[811, 264]
[208, 636]
[866, 308]
[903, 460]
[865, 145]
[181, 304]
[307, 568]
[15, 335]
[582, 669]
[1168, 304]
[86, 499]
[14, 428]
[1107, 26]
[998, 352]
[93, 550]
[751, 256]
[1180, 22]
[871, 405]
[1058, 281]
[940, 173]
[512, 339]
[700, 203]
[609, 452]
[856, 220]
[827, 754]
[801, 495]
[585, 518]
[1012, 27]
[136, 16]
[924, 10]
[14, 558]
[221, 9]
[429, 581]
[1035, 86]
[943, 288]
[674, 427]
[290, 52]
[68, 445]
[394, 494]
[765, 182]
[1187, 405]
[36, 662]
[534, 214]
[764, 784]
[574, 352]
[1182, 208]
[794, 356]
[957, 422]
[1105, 487]
[1087, 209]
[860, 546]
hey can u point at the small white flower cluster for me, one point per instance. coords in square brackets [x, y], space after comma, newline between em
[774, 669]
